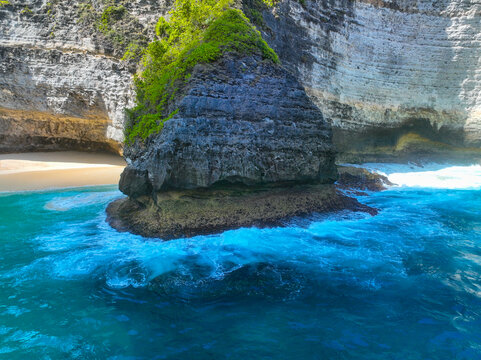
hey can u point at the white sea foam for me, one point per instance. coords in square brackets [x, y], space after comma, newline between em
[66, 203]
[92, 248]
[434, 176]
[125, 260]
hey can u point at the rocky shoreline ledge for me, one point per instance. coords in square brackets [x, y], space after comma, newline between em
[178, 214]
[187, 213]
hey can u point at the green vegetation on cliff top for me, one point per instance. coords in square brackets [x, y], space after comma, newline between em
[197, 31]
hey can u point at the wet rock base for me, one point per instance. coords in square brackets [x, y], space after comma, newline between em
[187, 213]
[356, 179]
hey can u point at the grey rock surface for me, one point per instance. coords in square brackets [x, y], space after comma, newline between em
[240, 121]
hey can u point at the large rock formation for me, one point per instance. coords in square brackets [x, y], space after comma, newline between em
[383, 70]
[239, 121]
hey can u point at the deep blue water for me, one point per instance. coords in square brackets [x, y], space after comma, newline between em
[405, 284]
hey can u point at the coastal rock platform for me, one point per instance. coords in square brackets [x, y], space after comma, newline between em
[187, 213]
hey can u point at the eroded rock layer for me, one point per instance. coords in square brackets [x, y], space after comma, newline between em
[380, 70]
[63, 76]
[239, 121]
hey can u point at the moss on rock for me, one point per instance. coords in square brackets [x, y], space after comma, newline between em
[196, 32]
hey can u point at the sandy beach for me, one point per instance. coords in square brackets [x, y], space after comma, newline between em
[50, 170]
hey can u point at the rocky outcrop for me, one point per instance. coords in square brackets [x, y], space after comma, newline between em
[187, 213]
[381, 70]
[357, 180]
[239, 121]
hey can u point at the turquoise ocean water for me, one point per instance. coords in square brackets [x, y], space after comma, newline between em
[405, 284]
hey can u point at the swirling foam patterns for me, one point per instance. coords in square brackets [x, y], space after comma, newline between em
[402, 284]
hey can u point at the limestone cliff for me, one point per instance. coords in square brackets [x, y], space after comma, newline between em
[381, 71]
[62, 84]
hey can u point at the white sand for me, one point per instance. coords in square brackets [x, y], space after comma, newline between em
[48, 170]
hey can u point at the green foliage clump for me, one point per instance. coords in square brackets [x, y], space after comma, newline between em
[270, 3]
[198, 31]
[26, 11]
[134, 51]
[232, 32]
[110, 15]
[4, 3]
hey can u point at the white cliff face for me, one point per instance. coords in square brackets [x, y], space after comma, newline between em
[387, 64]
[378, 69]
[54, 62]
[66, 83]
[464, 33]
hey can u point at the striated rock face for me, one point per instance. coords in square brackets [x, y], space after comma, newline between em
[239, 121]
[62, 85]
[92, 91]
[379, 70]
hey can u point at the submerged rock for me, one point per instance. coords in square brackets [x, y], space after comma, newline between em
[256, 280]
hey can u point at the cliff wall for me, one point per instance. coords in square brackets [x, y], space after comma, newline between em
[62, 84]
[380, 70]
